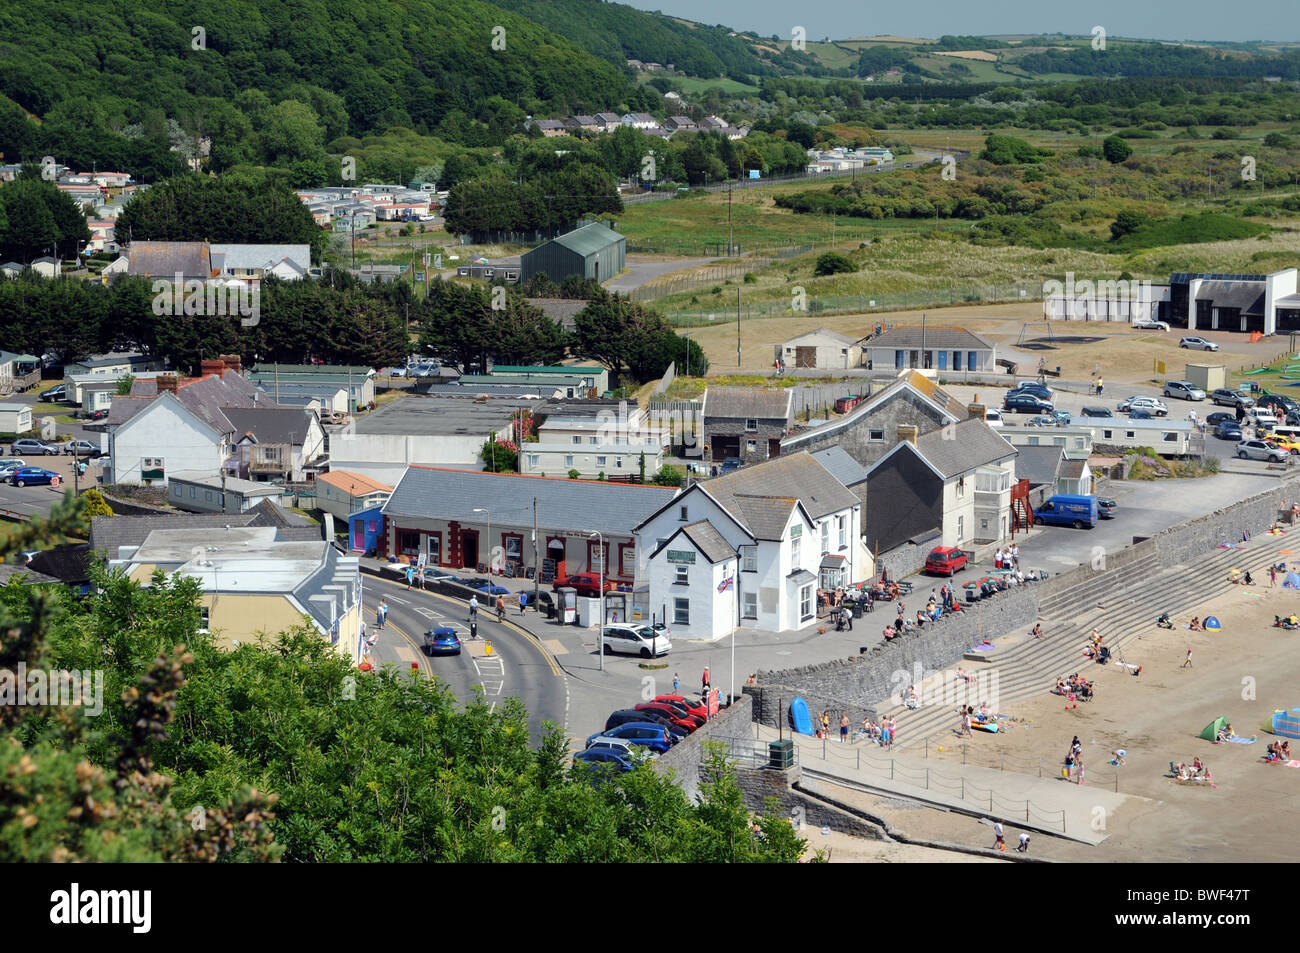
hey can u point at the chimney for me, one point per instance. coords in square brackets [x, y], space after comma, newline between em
[233, 362]
[908, 433]
[977, 411]
[210, 367]
[167, 383]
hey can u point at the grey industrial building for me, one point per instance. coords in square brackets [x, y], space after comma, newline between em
[593, 251]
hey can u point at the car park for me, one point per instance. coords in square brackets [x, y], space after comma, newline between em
[647, 734]
[679, 718]
[1197, 344]
[630, 715]
[441, 641]
[634, 639]
[34, 447]
[1106, 507]
[1026, 404]
[1232, 397]
[945, 561]
[1141, 402]
[1278, 404]
[33, 476]
[1260, 450]
[620, 745]
[1185, 390]
[587, 583]
[1228, 430]
[1095, 411]
[693, 706]
[1149, 324]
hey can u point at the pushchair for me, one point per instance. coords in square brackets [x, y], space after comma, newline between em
[1163, 621]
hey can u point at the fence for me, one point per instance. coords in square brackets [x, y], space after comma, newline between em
[852, 304]
[996, 760]
[703, 277]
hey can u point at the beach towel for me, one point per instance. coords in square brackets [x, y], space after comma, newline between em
[1238, 740]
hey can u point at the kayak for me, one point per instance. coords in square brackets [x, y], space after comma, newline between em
[989, 726]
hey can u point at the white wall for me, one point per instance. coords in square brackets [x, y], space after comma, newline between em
[712, 614]
[551, 460]
[385, 457]
[161, 431]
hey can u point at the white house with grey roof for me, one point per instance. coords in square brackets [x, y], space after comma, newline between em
[252, 263]
[793, 528]
[456, 518]
[822, 349]
[930, 348]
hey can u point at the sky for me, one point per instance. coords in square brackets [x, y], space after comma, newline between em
[1147, 19]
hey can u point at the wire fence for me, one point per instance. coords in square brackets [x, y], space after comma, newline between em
[703, 277]
[724, 309]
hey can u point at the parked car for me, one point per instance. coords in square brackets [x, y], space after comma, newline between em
[644, 733]
[1067, 509]
[993, 418]
[396, 372]
[1026, 404]
[7, 467]
[96, 415]
[630, 715]
[1260, 450]
[335, 417]
[1106, 507]
[1260, 417]
[1290, 445]
[1150, 324]
[1095, 411]
[1140, 402]
[1218, 417]
[587, 583]
[693, 706]
[1060, 417]
[1184, 389]
[1041, 391]
[54, 393]
[33, 476]
[1140, 414]
[34, 447]
[1042, 420]
[597, 760]
[80, 448]
[945, 561]
[441, 641]
[1198, 344]
[1278, 404]
[1231, 397]
[679, 718]
[489, 588]
[730, 465]
[1229, 430]
[633, 639]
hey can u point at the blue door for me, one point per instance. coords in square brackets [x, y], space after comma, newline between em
[970, 362]
[898, 360]
[956, 360]
[943, 360]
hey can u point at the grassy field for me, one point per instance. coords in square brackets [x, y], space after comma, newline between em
[690, 84]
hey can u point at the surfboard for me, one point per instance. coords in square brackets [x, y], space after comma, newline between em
[799, 715]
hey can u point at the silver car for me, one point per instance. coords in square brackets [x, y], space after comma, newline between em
[1151, 404]
[1184, 389]
[1259, 450]
[1198, 344]
[8, 466]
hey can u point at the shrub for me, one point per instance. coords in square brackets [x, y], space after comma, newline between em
[1115, 149]
[574, 474]
[833, 263]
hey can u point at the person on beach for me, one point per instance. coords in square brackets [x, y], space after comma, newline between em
[844, 727]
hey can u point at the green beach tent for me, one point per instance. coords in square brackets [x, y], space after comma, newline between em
[1211, 732]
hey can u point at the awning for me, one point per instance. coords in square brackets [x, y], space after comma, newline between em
[801, 576]
[832, 561]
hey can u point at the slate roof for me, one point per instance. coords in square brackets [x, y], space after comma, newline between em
[124, 408]
[766, 517]
[25, 575]
[589, 239]
[823, 333]
[795, 477]
[206, 397]
[709, 541]
[973, 444]
[560, 310]
[1039, 465]
[1073, 469]
[110, 532]
[1246, 295]
[65, 563]
[841, 466]
[167, 259]
[936, 338]
[270, 424]
[236, 257]
[744, 403]
[575, 505]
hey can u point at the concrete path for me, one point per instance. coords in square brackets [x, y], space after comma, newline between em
[1051, 805]
[641, 270]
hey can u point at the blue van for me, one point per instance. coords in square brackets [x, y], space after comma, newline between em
[1068, 510]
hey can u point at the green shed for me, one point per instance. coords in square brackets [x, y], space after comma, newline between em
[592, 251]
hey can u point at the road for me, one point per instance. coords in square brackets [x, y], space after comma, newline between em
[517, 666]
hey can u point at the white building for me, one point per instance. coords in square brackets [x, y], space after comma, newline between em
[610, 444]
[164, 435]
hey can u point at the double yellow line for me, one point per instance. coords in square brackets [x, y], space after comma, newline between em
[528, 637]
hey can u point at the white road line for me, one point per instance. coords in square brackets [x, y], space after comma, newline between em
[402, 601]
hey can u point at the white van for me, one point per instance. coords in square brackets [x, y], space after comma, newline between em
[993, 417]
[636, 638]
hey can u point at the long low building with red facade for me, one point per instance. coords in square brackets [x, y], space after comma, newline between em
[459, 519]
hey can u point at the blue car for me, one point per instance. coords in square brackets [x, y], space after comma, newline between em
[492, 590]
[441, 641]
[643, 733]
[602, 759]
[1229, 430]
[33, 476]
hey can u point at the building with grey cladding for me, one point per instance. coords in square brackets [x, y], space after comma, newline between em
[870, 430]
[109, 533]
[746, 422]
[456, 518]
[593, 251]
[940, 349]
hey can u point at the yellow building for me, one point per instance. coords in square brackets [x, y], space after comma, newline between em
[256, 585]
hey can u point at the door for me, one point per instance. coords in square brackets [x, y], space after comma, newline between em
[773, 447]
[805, 357]
[469, 549]
[943, 360]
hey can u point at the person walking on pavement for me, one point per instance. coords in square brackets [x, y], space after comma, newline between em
[501, 608]
[410, 577]
[1000, 842]
[704, 681]
[473, 608]
[523, 601]
[419, 578]
[676, 682]
[382, 612]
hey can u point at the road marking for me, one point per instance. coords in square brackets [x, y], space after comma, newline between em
[405, 602]
[555, 646]
[425, 665]
[405, 654]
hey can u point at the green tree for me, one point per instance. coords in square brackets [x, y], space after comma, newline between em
[833, 263]
[1126, 222]
[1115, 149]
[499, 458]
[124, 384]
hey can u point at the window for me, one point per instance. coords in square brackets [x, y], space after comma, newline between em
[749, 557]
[877, 436]
[843, 525]
[408, 544]
[751, 446]
[683, 576]
[204, 617]
[961, 528]
[618, 463]
[600, 461]
[1105, 435]
[794, 550]
[684, 516]
[749, 605]
[805, 603]
[435, 548]
[961, 486]
[568, 462]
[534, 459]
[751, 425]
[592, 441]
[681, 612]
[1130, 434]
[577, 440]
[1033, 441]
[1058, 441]
[207, 495]
[826, 537]
[176, 490]
[1170, 437]
[193, 492]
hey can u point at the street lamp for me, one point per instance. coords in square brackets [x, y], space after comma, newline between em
[489, 522]
[600, 626]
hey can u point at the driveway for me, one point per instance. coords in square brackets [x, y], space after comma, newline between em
[641, 270]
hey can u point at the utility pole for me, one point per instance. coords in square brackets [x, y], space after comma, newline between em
[277, 382]
[537, 569]
[737, 327]
[731, 243]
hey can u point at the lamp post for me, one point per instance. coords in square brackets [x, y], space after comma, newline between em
[600, 626]
[489, 522]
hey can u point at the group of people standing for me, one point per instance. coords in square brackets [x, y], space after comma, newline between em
[1008, 558]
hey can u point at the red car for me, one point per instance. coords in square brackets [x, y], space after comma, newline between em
[587, 583]
[676, 716]
[694, 706]
[945, 561]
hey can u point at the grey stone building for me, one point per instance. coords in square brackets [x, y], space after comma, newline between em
[869, 431]
[746, 422]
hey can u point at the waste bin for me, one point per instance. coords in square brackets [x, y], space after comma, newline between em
[780, 754]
